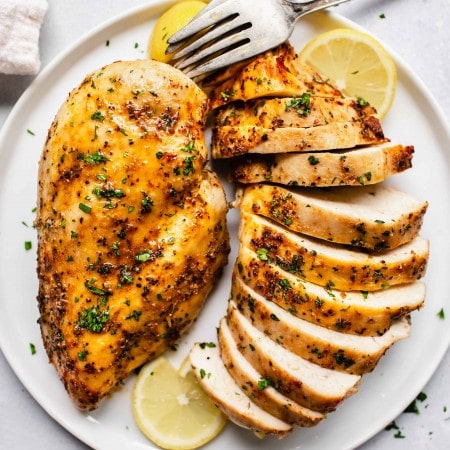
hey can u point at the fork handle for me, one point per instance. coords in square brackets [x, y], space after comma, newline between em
[302, 7]
[301, 2]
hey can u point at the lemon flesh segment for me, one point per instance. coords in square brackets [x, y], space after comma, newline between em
[173, 20]
[356, 63]
[172, 410]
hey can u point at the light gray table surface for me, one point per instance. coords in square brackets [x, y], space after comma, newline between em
[419, 32]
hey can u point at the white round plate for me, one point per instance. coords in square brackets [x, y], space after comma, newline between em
[414, 119]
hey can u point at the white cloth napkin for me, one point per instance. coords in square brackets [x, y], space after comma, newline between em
[20, 23]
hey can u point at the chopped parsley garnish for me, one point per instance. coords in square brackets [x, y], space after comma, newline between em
[399, 435]
[93, 319]
[136, 315]
[108, 192]
[422, 397]
[227, 94]
[264, 383]
[89, 284]
[145, 255]
[313, 160]
[188, 165]
[207, 344]
[361, 101]
[95, 158]
[85, 208]
[394, 426]
[32, 348]
[146, 203]
[412, 408]
[188, 148]
[125, 275]
[82, 355]
[284, 284]
[302, 105]
[28, 245]
[441, 314]
[30, 132]
[98, 116]
[342, 360]
[263, 254]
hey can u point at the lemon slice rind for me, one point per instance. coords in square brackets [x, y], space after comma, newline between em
[356, 63]
[171, 409]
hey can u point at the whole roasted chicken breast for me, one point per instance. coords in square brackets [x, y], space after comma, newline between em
[131, 224]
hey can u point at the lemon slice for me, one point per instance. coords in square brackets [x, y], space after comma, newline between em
[172, 410]
[356, 63]
[169, 23]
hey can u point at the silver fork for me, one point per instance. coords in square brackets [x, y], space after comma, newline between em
[228, 31]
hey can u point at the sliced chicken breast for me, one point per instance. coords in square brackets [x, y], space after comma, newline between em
[329, 264]
[374, 217]
[276, 73]
[259, 389]
[361, 166]
[228, 396]
[331, 349]
[304, 111]
[355, 312]
[229, 141]
[306, 383]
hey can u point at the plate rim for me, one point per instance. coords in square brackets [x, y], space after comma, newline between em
[126, 16]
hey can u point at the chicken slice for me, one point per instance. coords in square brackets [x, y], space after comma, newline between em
[257, 388]
[304, 382]
[356, 312]
[305, 111]
[131, 225]
[328, 264]
[228, 142]
[374, 217]
[362, 166]
[330, 349]
[228, 396]
[275, 73]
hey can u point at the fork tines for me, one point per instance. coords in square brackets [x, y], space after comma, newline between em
[198, 47]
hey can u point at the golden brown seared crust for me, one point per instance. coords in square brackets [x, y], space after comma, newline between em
[374, 217]
[276, 73]
[229, 141]
[131, 225]
[325, 263]
[355, 167]
[356, 312]
[330, 349]
[308, 384]
[294, 112]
